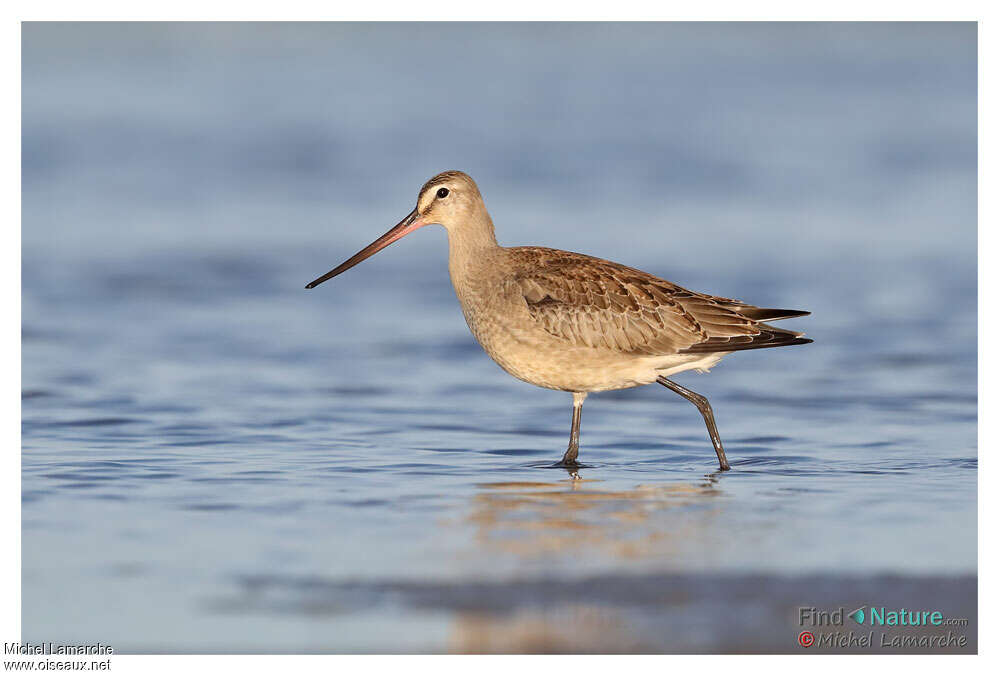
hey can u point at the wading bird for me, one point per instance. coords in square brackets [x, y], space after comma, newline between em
[575, 323]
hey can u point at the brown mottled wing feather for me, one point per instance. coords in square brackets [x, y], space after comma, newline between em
[596, 303]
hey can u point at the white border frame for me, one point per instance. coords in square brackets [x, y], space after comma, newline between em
[845, 10]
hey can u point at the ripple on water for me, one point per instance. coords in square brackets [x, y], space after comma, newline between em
[89, 422]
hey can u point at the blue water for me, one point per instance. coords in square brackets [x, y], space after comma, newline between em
[209, 449]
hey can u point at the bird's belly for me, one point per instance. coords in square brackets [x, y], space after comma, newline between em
[535, 356]
[571, 371]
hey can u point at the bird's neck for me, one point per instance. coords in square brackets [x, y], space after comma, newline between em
[471, 246]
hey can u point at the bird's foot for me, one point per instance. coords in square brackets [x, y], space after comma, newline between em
[572, 467]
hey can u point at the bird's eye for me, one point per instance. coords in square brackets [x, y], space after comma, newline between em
[442, 193]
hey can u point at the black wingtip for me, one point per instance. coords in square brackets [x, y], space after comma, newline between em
[764, 314]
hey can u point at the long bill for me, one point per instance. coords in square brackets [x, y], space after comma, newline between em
[403, 228]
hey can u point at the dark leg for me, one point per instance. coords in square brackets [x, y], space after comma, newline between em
[701, 402]
[569, 459]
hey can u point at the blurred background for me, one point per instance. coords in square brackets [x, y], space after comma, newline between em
[215, 459]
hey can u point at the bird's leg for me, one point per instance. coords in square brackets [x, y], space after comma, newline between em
[701, 402]
[569, 459]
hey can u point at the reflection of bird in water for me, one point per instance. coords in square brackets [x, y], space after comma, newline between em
[528, 518]
[571, 322]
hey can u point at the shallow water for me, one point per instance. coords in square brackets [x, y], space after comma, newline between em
[215, 459]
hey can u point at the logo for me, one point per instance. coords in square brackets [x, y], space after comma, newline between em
[878, 627]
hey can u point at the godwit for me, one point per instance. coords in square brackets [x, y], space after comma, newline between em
[575, 323]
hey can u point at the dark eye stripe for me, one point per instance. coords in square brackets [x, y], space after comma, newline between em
[442, 193]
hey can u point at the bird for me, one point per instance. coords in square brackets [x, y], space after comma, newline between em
[571, 322]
